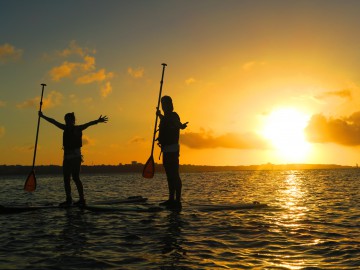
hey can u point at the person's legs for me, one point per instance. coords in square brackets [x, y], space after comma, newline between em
[167, 163]
[76, 163]
[171, 165]
[66, 175]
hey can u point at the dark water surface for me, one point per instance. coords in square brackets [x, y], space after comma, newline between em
[313, 222]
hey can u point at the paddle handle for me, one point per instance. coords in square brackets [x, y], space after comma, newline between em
[38, 125]
[157, 108]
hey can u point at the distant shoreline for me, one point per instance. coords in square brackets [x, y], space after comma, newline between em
[138, 167]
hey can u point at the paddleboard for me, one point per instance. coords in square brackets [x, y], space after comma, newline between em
[13, 209]
[123, 208]
[156, 208]
[232, 206]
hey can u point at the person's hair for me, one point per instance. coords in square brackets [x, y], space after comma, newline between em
[69, 117]
[168, 101]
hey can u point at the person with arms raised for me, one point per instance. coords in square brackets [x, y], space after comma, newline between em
[72, 143]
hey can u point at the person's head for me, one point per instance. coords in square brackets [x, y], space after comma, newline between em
[166, 104]
[70, 119]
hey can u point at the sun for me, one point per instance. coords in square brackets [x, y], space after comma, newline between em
[284, 128]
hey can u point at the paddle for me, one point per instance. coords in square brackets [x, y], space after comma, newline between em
[30, 183]
[149, 168]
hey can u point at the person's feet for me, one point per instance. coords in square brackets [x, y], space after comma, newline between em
[80, 202]
[167, 203]
[67, 203]
[174, 205]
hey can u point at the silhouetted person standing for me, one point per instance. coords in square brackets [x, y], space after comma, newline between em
[72, 143]
[169, 133]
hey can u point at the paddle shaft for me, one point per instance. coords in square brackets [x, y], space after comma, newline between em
[38, 125]
[157, 108]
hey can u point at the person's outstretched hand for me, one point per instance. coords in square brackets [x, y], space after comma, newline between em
[103, 119]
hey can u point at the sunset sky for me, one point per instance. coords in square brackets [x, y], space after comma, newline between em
[258, 81]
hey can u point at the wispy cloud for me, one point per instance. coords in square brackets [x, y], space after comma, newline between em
[137, 139]
[136, 73]
[206, 139]
[344, 130]
[252, 64]
[9, 53]
[190, 80]
[99, 76]
[2, 131]
[345, 93]
[51, 100]
[86, 140]
[106, 89]
[75, 49]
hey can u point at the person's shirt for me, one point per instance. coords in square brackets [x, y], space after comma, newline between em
[169, 132]
[72, 140]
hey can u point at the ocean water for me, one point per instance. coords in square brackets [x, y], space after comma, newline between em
[312, 222]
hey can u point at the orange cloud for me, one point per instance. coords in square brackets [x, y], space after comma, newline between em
[53, 99]
[70, 69]
[99, 76]
[205, 139]
[74, 49]
[86, 140]
[137, 139]
[346, 93]
[84, 71]
[136, 73]
[345, 131]
[2, 131]
[9, 53]
[106, 89]
[190, 81]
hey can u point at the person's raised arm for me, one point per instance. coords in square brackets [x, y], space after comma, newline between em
[52, 121]
[178, 124]
[102, 119]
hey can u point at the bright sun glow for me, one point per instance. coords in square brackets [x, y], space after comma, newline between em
[285, 130]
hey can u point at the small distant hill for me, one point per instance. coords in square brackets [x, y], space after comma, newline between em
[138, 167]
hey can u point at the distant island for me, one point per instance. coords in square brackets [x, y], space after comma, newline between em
[136, 167]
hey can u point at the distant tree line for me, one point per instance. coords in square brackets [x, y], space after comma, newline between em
[138, 167]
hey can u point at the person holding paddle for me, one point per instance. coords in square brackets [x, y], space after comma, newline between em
[168, 140]
[72, 143]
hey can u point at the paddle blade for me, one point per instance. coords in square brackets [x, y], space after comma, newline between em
[30, 184]
[149, 168]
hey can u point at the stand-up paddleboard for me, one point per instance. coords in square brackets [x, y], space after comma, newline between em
[124, 208]
[156, 208]
[232, 206]
[13, 209]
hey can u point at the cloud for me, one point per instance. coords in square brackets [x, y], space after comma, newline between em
[190, 81]
[86, 140]
[26, 148]
[251, 65]
[2, 131]
[9, 53]
[137, 139]
[2, 103]
[82, 71]
[136, 73]
[75, 49]
[53, 99]
[346, 93]
[106, 89]
[99, 76]
[72, 69]
[205, 139]
[344, 131]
